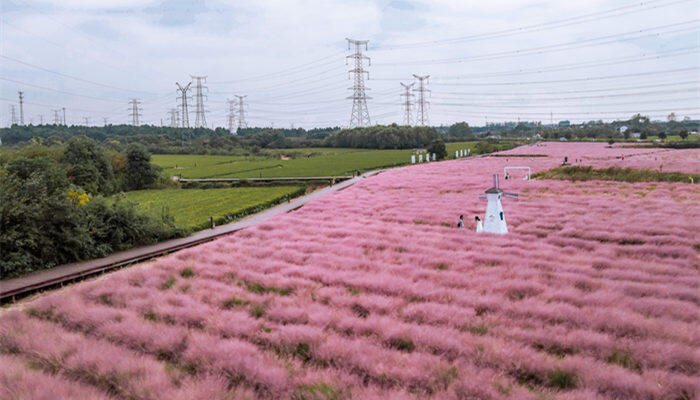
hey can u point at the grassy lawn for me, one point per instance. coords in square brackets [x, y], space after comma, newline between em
[309, 162]
[192, 208]
[576, 173]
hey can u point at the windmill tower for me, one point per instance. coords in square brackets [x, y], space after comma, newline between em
[495, 219]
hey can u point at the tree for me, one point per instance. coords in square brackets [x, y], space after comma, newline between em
[88, 166]
[662, 135]
[461, 130]
[437, 147]
[139, 173]
[643, 135]
[683, 134]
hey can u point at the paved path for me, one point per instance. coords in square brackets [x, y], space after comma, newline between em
[11, 288]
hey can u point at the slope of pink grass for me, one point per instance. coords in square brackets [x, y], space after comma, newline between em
[372, 293]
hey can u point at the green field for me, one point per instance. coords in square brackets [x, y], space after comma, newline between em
[318, 162]
[191, 208]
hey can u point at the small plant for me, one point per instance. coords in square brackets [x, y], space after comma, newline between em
[624, 359]
[168, 284]
[442, 266]
[303, 351]
[562, 379]
[402, 344]
[187, 273]
[360, 311]
[234, 302]
[257, 310]
[317, 391]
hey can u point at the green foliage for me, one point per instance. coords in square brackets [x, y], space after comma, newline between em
[683, 134]
[661, 135]
[562, 379]
[139, 173]
[317, 391]
[577, 173]
[383, 137]
[624, 359]
[46, 221]
[402, 343]
[460, 130]
[437, 147]
[88, 166]
[187, 273]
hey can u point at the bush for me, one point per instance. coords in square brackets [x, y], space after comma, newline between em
[437, 147]
[139, 172]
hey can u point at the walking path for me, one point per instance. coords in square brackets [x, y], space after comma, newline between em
[12, 288]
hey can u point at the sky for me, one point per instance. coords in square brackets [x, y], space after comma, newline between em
[488, 61]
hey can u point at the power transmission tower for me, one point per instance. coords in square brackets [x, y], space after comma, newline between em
[87, 121]
[360, 113]
[200, 120]
[104, 121]
[173, 118]
[241, 112]
[422, 102]
[21, 108]
[56, 119]
[41, 119]
[183, 98]
[231, 115]
[407, 103]
[135, 111]
[64, 116]
[13, 115]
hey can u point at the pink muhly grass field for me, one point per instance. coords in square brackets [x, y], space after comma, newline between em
[372, 293]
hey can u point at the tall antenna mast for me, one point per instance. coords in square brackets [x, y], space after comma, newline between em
[241, 112]
[21, 108]
[231, 115]
[407, 103]
[183, 98]
[360, 113]
[422, 102]
[200, 120]
[135, 111]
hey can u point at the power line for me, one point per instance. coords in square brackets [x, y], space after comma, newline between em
[422, 102]
[200, 120]
[360, 113]
[407, 103]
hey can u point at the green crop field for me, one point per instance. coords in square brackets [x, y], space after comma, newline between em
[309, 162]
[192, 208]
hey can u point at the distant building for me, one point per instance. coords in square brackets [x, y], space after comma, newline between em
[564, 123]
[635, 134]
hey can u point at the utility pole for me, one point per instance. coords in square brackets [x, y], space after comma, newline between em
[422, 102]
[13, 116]
[135, 111]
[173, 118]
[56, 120]
[241, 112]
[231, 115]
[21, 108]
[407, 103]
[200, 120]
[183, 104]
[360, 113]
[64, 116]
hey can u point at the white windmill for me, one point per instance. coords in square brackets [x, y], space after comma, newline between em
[495, 219]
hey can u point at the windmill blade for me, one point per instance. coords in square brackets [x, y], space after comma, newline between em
[512, 195]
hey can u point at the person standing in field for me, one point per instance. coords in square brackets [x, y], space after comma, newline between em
[460, 222]
[479, 224]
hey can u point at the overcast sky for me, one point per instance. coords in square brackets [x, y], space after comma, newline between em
[576, 60]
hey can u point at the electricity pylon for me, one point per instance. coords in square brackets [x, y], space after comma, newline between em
[231, 115]
[64, 116]
[135, 111]
[360, 113]
[407, 103]
[56, 119]
[174, 118]
[13, 115]
[241, 112]
[422, 102]
[183, 104]
[200, 120]
[21, 108]
[87, 121]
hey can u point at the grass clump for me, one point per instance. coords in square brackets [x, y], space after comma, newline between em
[187, 273]
[168, 284]
[624, 359]
[257, 310]
[317, 391]
[562, 379]
[579, 173]
[234, 302]
[442, 266]
[258, 288]
[402, 344]
[360, 310]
